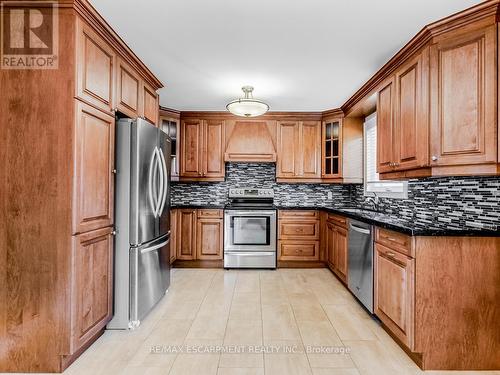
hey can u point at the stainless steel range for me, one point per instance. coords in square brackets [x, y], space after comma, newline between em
[250, 229]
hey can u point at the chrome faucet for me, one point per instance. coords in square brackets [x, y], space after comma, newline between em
[374, 201]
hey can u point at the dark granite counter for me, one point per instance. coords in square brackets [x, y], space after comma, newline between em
[395, 223]
[199, 206]
[392, 222]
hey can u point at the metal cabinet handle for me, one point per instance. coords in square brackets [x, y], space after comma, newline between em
[434, 158]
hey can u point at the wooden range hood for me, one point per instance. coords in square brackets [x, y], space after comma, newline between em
[250, 141]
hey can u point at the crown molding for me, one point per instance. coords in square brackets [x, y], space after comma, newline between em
[278, 116]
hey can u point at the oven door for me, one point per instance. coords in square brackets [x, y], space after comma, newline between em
[250, 230]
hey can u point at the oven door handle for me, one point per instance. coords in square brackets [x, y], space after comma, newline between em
[250, 213]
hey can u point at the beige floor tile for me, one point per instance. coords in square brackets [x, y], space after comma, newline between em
[145, 370]
[246, 310]
[274, 297]
[240, 371]
[243, 332]
[243, 360]
[317, 334]
[284, 346]
[333, 360]
[287, 364]
[191, 364]
[348, 324]
[246, 297]
[279, 323]
[186, 310]
[372, 358]
[309, 311]
[169, 332]
[212, 328]
[335, 371]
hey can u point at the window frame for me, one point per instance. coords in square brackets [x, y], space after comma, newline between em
[382, 193]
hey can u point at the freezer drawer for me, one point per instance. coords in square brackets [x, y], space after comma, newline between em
[149, 277]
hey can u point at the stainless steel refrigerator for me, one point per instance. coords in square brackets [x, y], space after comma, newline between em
[142, 199]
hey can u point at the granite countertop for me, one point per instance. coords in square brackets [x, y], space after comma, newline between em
[382, 220]
[398, 224]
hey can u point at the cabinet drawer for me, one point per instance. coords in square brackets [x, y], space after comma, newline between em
[338, 220]
[298, 230]
[305, 214]
[210, 213]
[298, 250]
[396, 241]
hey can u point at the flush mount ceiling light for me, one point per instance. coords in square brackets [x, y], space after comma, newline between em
[247, 106]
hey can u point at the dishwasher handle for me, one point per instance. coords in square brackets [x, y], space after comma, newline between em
[358, 229]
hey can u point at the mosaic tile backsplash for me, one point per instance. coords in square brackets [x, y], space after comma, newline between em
[451, 202]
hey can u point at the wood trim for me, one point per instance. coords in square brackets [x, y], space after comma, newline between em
[283, 116]
[301, 264]
[169, 112]
[180, 263]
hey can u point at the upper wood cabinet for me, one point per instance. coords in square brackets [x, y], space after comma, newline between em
[171, 126]
[92, 285]
[402, 117]
[342, 150]
[94, 166]
[149, 109]
[202, 150]
[95, 61]
[128, 89]
[464, 99]
[299, 154]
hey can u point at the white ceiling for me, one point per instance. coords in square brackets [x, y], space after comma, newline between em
[301, 55]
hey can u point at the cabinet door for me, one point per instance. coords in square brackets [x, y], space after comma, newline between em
[95, 64]
[385, 127]
[94, 164]
[128, 84]
[288, 150]
[331, 149]
[340, 253]
[330, 245]
[149, 109]
[209, 239]
[310, 151]
[411, 126]
[191, 148]
[92, 283]
[463, 99]
[186, 234]
[173, 236]
[213, 157]
[394, 292]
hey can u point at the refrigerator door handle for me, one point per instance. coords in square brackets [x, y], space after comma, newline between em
[160, 193]
[155, 247]
[165, 188]
[152, 166]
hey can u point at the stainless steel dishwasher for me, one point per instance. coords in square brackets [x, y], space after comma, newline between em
[360, 262]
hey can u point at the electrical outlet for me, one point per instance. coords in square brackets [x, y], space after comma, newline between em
[330, 195]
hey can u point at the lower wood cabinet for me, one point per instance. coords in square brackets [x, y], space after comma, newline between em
[337, 247]
[198, 234]
[92, 285]
[298, 235]
[394, 292]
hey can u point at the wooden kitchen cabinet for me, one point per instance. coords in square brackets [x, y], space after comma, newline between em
[149, 104]
[299, 154]
[202, 150]
[464, 101]
[337, 246]
[92, 285]
[298, 235]
[209, 236]
[186, 234]
[128, 87]
[94, 165]
[394, 292]
[169, 122]
[402, 117]
[173, 235]
[250, 140]
[95, 61]
[341, 148]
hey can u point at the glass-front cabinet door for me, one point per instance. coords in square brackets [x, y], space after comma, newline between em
[332, 149]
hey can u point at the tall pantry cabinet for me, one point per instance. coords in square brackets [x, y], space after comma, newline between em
[57, 167]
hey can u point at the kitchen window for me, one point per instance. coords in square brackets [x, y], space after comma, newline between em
[373, 185]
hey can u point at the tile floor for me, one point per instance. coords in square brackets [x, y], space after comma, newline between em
[292, 313]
